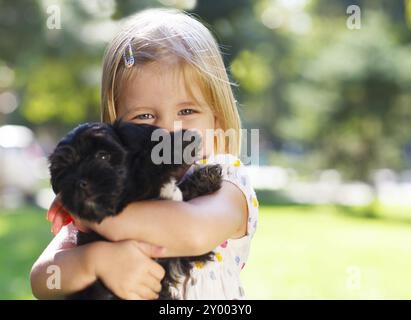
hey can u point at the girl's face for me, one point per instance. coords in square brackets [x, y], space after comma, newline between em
[157, 95]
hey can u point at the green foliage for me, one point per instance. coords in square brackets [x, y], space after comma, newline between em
[322, 95]
[353, 99]
[252, 70]
[57, 92]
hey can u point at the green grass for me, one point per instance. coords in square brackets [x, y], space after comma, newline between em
[24, 233]
[329, 253]
[298, 252]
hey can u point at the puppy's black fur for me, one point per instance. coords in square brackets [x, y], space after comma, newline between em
[97, 169]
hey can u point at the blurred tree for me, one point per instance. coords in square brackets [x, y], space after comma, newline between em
[328, 93]
[316, 90]
[353, 100]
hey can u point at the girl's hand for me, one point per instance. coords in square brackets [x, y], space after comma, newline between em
[125, 267]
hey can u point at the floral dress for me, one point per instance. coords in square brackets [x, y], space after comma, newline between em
[220, 278]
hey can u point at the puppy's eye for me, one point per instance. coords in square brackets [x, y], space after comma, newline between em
[103, 155]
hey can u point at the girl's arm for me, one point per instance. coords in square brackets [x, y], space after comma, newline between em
[70, 260]
[124, 267]
[187, 228]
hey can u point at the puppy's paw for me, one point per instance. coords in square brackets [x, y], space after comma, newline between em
[213, 176]
[204, 180]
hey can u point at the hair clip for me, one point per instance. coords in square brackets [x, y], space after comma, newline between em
[128, 61]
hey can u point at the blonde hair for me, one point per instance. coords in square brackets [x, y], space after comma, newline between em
[156, 34]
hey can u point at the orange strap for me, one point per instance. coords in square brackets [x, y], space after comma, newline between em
[58, 216]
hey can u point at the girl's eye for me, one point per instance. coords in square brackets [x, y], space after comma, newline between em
[185, 112]
[144, 116]
[103, 155]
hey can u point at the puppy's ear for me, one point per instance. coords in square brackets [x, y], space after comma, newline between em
[134, 136]
[54, 177]
[59, 162]
[64, 156]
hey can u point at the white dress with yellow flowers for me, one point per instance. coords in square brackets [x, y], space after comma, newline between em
[220, 279]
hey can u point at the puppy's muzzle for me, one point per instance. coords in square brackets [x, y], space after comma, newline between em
[84, 187]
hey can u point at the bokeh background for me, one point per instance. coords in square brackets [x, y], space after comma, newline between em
[332, 103]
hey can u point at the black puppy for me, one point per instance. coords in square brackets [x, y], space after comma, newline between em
[98, 169]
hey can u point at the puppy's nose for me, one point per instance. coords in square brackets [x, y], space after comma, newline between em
[83, 184]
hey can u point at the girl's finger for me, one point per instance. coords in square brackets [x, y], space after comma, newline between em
[156, 270]
[132, 296]
[147, 293]
[151, 250]
[152, 282]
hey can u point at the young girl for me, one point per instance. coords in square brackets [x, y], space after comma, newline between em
[164, 68]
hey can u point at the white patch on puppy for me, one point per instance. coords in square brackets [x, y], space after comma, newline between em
[170, 191]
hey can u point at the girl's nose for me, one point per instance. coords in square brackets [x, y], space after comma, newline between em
[170, 124]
